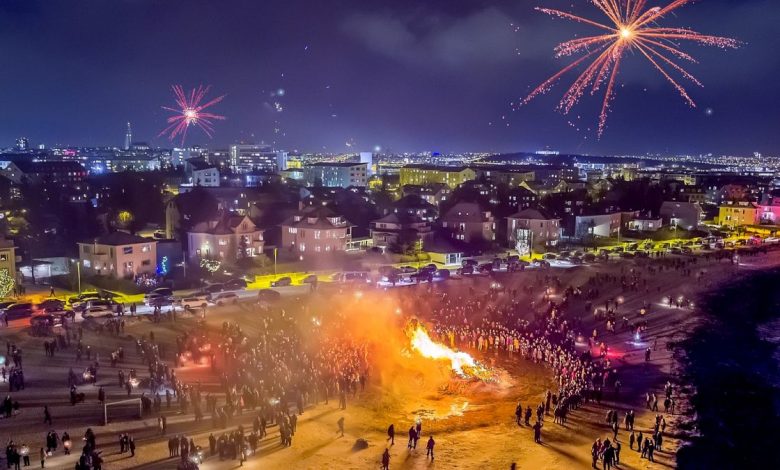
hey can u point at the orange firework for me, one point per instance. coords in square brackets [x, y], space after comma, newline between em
[632, 27]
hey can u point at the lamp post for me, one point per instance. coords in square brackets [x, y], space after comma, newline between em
[78, 271]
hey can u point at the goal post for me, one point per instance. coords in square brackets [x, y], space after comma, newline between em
[128, 407]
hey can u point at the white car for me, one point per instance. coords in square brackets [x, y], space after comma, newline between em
[194, 301]
[771, 240]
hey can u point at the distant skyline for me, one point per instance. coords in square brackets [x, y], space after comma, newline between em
[346, 75]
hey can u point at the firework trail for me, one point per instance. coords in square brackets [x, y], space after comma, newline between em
[631, 27]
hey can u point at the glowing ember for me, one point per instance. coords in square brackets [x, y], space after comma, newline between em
[462, 363]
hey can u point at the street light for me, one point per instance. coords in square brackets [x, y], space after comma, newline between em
[78, 271]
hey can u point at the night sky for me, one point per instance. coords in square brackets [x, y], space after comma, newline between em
[406, 75]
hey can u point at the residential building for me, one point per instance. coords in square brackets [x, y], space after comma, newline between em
[119, 254]
[686, 215]
[227, 239]
[247, 157]
[505, 175]
[467, 222]
[738, 214]
[201, 173]
[315, 231]
[429, 174]
[64, 173]
[532, 228]
[399, 229]
[336, 174]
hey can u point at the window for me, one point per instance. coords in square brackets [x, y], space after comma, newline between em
[146, 248]
[302, 247]
[293, 230]
[86, 249]
[87, 263]
[128, 250]
[146, 262]
[4, 257]
[223, 241]
[317, 234]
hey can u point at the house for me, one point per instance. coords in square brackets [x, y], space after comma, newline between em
[433, 194]
[645, 224]
[7, 259]
[417, 206]
[119, 254]
[467, 222]
[228, 239]
[600, 225]
[686, 215]
[769, 210]
[532, 227]
[520, 198]
[396, 229]
[315, 231]
[188, 209]
[738, 214]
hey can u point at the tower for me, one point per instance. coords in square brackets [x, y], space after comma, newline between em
[128, 137]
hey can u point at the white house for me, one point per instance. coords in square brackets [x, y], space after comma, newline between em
[119, 254]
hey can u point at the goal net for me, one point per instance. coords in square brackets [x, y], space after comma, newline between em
[122, 410]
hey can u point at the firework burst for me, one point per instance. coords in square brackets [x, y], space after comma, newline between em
[631, 27]
[190, 111]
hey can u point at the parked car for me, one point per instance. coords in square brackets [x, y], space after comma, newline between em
[352, 276]
[468, 269]
[235, 284]
[282, 282]
[80, 298]
[18, 310]
[469, 262]
[160, 301]
[486, 268]
[51, 305]
[224, 298]
[268, 295]
[214, 288]
[6, 303]
[442, 274]
[160, 291]
[194, 301]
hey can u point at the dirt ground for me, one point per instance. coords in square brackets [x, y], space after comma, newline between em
[472, 423]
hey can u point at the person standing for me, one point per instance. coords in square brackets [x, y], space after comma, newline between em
[538, 432]
[386, 460]
[341, 426]
[131, 443]
[46, 415]
[429, 447]
[391, 434]
[43, 454]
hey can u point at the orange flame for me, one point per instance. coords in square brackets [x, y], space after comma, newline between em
[462, 363]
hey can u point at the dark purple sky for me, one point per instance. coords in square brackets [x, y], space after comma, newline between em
[407, 75]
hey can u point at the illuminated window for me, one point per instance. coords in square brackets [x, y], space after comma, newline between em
[128, 250]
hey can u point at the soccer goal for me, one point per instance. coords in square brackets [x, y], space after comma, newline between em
[122, 410]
